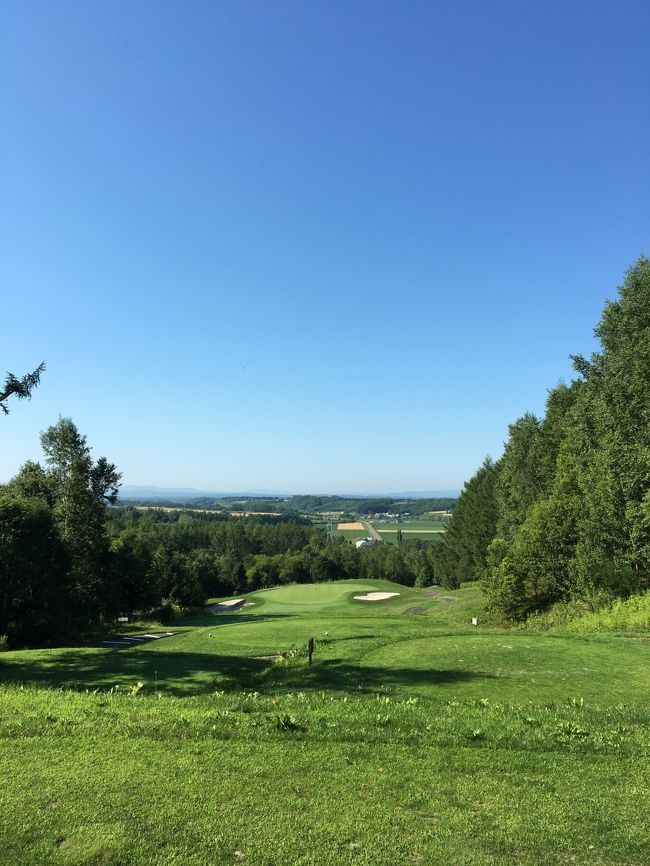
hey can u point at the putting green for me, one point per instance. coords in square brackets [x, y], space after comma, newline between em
[312, 596]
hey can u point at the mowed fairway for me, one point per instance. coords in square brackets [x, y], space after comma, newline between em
[412, 738]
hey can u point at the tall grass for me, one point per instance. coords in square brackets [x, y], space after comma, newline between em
[630, 614]
[623, 615]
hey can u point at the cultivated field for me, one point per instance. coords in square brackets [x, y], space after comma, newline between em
[351, 531]
[425, 527]
[412, 738]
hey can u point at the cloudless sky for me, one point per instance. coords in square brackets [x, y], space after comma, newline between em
[311, 246]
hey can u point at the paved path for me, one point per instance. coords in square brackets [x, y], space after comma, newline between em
[371, 529]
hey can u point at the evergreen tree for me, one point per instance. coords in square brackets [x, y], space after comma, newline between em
[610, 444]
[574, 491]
[462, 554]
[20, 387]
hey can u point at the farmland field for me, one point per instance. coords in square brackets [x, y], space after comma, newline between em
[412, 738]
[351, 534]
[410, 525]
[391, 535]
[351, 531]
[426, 528]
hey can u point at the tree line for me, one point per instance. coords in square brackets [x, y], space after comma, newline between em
[302, 504]
[70, 559]
[565, 513]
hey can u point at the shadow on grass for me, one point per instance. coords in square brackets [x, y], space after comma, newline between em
[216, 619]
[342, 676]
[180, 673]
[190, 673]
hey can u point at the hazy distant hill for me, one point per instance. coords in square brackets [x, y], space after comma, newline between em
[134, 491]
[189, 498]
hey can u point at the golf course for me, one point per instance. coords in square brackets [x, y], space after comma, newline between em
[412, 737]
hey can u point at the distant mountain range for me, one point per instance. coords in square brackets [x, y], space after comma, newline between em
[135, 491]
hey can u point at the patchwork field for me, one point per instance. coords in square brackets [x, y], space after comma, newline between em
[351, 531]
[426, 528]
[412, 738]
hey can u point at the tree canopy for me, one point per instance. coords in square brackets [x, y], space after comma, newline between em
[572, 490]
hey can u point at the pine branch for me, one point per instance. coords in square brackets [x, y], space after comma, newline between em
[22, 387]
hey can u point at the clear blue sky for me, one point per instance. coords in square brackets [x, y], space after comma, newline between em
[311, 246]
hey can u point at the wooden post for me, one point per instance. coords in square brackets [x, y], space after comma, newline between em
[310, 649]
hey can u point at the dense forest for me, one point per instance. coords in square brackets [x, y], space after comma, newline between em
[564, 514]
[71, 561]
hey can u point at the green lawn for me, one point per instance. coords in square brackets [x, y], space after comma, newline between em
[413, 738]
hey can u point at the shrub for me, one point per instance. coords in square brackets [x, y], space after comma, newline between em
[630, 614]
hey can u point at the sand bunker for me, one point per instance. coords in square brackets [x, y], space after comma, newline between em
[376, 596]
[224, 606]
[357, 526]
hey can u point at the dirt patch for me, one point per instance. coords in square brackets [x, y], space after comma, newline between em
[356, 526]
[415, 610]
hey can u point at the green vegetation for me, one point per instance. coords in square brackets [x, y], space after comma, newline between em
[309, 504]
[70, 566]
[630, 615]
[413, 738]
[19, 387]
[425, 528]
[564, 515]
[422, 525]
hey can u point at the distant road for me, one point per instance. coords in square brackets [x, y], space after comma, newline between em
[371, 529]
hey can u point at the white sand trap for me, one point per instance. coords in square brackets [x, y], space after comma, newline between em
[376, 596]
[223, 606]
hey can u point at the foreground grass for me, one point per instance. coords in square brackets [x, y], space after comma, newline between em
[413, 738]
[311, 779]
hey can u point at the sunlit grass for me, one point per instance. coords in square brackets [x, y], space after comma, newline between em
[412, 738]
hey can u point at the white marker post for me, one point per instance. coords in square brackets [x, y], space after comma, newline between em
[122, 619]
[474, 621]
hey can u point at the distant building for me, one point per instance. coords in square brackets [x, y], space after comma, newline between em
[363, 542]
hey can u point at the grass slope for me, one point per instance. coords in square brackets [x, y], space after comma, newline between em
[413, 738]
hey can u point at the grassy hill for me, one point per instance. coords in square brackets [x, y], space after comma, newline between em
[413, 738]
